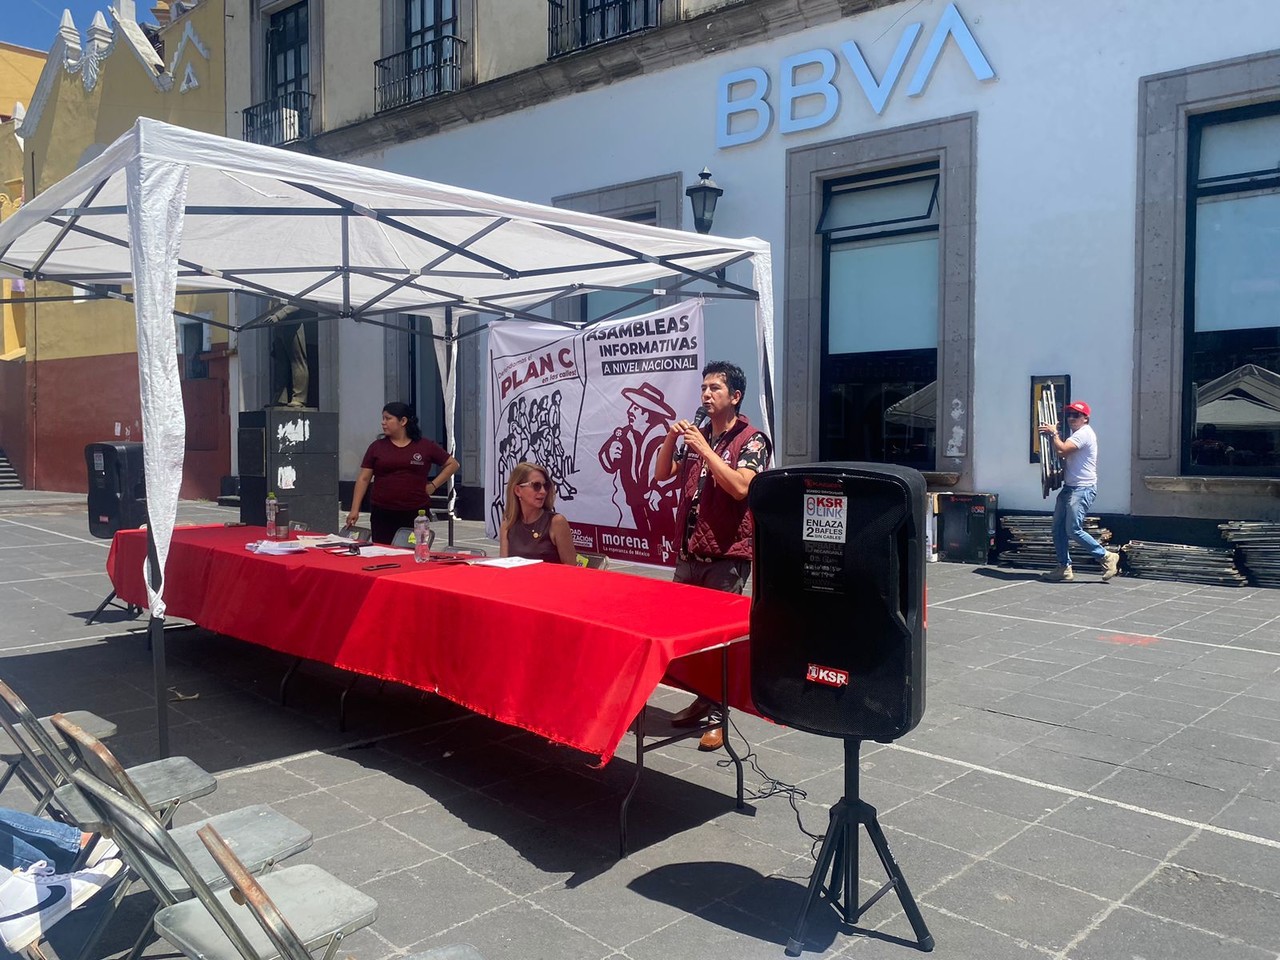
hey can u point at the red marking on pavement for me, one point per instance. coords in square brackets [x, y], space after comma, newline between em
[1131, 639]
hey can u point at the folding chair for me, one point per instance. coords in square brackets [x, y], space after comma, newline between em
[32, 773]
[162, 784]
[301, 899]
[323, 911]
[173, 863]
[401, 538]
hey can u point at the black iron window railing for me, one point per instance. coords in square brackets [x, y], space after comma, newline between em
[577, 24]
[280, 120]
[420, 72]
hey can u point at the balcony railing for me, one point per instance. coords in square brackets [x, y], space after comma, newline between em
[578, 24]
[280, 120]
[420, 72]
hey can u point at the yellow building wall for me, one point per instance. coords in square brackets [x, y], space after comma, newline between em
[19, 70]
[76, 124]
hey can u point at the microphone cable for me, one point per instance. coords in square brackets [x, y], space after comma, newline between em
[772, 787]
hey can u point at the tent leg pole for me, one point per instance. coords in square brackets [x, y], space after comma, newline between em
[155, 630]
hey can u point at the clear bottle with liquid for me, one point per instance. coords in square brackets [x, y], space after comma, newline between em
[421, 537]
[272, 507]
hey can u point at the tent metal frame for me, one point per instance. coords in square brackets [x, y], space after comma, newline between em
[430, 283]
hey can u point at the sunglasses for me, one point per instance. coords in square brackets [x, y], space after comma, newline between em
[538, 485]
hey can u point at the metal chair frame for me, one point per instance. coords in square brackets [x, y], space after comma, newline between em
[42, 767]
[167, 783]
[142, 838]
[274, 923]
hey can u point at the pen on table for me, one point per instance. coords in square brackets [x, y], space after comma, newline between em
[380, 566]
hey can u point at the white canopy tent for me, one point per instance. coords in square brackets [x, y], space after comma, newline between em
[166, 210]
[1246, 398]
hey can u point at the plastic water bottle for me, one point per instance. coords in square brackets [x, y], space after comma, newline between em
[421, 537]
[272, 507]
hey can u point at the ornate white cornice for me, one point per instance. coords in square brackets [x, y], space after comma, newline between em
[189, 37]
[66, 47]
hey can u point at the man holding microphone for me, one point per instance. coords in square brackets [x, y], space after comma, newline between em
[716, 465]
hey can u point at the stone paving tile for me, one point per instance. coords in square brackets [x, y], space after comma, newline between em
[322, 813]
[955, 937]
[1164, 794]
[1092, 746]
[956, 825]
[1042, 708]
[1218, 906]
[1266, 786]
[366, 852]
[1018, 904]
[1062, 769]
[1238, 861]
[1002, 795]
[1075, 862]
[1224, 720]
[431, 898]
[722, 932]
[1129, 933]
[520, 931]
[1251, 815]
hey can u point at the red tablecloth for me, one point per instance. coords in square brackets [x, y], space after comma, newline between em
[567, 653]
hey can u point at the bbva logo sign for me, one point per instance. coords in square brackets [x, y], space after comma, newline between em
[732, 102]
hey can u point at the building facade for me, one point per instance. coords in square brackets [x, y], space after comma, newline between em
[74, 378]
[964, 199]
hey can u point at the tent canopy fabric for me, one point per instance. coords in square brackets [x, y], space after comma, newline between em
[346, 240]
[1243, 398]
[919, 409]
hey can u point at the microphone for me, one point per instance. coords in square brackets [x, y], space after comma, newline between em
[701, 417]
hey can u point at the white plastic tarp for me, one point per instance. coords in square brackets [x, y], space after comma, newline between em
[166, 209]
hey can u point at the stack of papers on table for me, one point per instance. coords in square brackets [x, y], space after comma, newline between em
[504, 562]
[276, 548]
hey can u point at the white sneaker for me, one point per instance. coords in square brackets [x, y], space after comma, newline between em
[33, 900]
[101, 849]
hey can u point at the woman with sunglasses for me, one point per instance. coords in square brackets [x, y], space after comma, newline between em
[531, 528]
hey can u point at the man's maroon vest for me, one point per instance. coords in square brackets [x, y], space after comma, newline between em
[724, 527]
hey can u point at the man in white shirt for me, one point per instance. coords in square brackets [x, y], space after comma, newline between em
[1079, 453]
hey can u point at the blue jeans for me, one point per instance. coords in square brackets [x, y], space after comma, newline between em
[1069, 512]
[25, 839]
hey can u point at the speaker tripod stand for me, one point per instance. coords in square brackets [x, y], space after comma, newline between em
[839, 858]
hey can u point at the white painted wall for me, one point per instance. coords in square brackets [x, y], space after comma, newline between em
[1056, 181]
[361, 385]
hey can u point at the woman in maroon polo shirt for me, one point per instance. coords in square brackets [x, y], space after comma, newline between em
[399, 465]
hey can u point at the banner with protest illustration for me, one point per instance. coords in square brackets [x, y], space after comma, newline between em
[592, 407]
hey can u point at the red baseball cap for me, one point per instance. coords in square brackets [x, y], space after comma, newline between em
[1080, 407]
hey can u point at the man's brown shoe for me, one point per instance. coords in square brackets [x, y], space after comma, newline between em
[693, 714]
[1110, 565]
[712, 740]
[1058, 575]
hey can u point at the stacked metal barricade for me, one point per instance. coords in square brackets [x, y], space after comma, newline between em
[1050, 462]
[1258, 546]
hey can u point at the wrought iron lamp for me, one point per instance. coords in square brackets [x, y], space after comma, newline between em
[702, 197]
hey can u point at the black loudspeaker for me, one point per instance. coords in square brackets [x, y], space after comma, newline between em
[838, 598]
[117, 487]
[293, 453]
